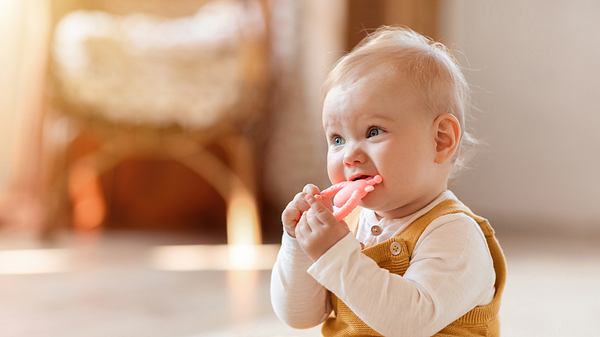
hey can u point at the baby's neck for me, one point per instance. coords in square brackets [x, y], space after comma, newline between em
[411, 207]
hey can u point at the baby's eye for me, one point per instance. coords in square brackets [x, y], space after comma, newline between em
[337, 140]
[373, 131]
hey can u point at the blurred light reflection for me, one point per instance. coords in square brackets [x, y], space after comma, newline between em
[34, 261]
[214, 257]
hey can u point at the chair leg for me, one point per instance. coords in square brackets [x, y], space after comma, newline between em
[244, 227]
[55, 170]
[235, 185]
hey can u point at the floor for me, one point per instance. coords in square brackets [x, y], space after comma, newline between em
[116, 285]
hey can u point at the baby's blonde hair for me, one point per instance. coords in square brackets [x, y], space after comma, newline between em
[429, 66]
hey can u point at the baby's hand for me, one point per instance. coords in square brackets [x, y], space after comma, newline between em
[293, 211]
[318, 230]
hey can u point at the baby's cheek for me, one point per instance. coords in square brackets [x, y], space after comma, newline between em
[334, 176]
[335, 171]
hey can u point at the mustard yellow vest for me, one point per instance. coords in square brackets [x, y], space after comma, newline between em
[395, 254]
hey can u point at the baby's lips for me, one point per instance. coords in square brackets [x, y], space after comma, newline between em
[376, 179]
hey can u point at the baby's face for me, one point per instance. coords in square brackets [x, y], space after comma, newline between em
[380, 126]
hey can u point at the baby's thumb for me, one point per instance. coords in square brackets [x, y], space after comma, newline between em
[311, 189]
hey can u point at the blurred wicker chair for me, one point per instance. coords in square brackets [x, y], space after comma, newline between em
[149, 86]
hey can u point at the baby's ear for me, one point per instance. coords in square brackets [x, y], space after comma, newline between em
[447, 137]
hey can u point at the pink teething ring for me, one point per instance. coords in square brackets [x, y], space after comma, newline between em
[347, 194]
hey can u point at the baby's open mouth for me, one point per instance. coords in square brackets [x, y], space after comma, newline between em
[360, 177]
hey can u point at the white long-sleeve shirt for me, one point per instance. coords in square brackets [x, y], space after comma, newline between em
[450, 272]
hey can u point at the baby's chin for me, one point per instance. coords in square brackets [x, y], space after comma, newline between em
[372, 201]
[378, 200]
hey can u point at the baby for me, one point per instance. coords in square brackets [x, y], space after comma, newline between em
[420, 263]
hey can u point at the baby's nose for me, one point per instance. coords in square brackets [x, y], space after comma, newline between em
[354, 156]
[352, 162]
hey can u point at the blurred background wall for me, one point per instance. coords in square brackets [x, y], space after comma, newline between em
[534, 69]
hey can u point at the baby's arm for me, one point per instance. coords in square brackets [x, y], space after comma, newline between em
[451, 272]
[297, 299]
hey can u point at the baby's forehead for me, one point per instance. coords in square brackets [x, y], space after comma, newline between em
[377, 94]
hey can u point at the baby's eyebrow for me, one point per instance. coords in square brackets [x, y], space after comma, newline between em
[382, 117]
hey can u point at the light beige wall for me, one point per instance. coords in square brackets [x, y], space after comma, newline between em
[11, 15]
[23, 41]
[309, 37]
[535, 71]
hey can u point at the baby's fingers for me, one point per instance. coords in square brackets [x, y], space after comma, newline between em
[290, 214]
[299, 203]
[322, 213]
[303, 226]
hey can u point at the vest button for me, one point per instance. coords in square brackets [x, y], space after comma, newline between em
[376, 230]
[395, 248]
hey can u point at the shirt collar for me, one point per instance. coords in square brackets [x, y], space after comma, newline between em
[393, 226]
